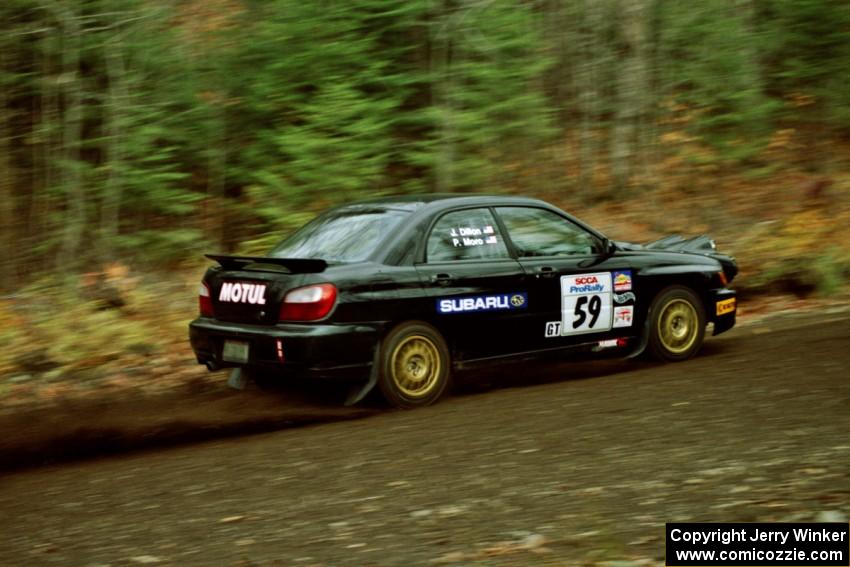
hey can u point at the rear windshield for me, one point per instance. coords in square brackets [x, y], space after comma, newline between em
[341, 236]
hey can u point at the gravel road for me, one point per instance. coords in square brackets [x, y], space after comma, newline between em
[555, 464]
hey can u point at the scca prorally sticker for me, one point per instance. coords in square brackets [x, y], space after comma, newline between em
[623, 316]
[241, 292]
[553, 329]
[586, 303]
[493, 302]
[623, 280]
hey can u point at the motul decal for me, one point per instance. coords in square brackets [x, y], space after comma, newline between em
[238, 292]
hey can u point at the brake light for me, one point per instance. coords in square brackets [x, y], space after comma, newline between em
[205, 301]
[308, 303]
[723, 279]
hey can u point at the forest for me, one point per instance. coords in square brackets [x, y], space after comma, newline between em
[136, 135]
[149, 130]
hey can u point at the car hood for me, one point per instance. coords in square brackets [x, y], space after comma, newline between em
[701, 245]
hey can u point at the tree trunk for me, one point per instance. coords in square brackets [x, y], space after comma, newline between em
[113, 147]
[7, 195]
[39, 225]
[588, 94]
[71, 169]
[442, 90]
[632, 87]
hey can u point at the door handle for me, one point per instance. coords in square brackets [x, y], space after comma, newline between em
[441, 279]
[545, 272]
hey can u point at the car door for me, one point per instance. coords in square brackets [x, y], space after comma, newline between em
[476, 288]
[577, 293]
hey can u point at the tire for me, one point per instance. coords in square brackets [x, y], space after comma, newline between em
[676, 324]
[414, 365]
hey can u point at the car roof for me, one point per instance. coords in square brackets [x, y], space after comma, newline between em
[438, 201]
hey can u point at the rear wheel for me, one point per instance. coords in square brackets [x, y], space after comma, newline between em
[676, 324]
[414, 365]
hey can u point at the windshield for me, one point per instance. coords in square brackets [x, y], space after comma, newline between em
[341, 236]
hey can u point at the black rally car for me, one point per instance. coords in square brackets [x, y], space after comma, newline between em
[400, 291]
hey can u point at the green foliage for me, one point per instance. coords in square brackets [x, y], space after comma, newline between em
[275, 221]
[158, 246]
[811, 55]
[712, 54]
[830, 271]
[320, 105]
[486, 110]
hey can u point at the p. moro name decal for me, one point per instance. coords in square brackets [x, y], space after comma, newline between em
[240, 292]
[482, 303]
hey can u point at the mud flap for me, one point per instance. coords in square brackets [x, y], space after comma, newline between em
[237, 380]
[358, 393]
[643, 340]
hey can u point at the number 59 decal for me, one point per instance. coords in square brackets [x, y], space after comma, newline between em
[586, 303]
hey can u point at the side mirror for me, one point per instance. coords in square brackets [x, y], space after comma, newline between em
[608, 247]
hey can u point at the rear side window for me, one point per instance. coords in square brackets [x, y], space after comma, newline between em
[538, 232]
[343, 235]
[470, 234]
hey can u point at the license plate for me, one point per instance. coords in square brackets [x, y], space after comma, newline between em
[235, 351]
[725, 306]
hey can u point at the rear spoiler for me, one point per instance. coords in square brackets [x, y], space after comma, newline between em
[293, 265]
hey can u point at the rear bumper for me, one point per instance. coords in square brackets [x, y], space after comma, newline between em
[723, 308]
[315, 351]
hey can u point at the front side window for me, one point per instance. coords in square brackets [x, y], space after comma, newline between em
[470, 234]
[539, 232]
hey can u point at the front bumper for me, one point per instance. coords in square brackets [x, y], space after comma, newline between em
[320, 351]
[723, 308]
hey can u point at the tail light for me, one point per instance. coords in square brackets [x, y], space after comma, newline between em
[278, 343]
[723, 279]
[205, 301]
[308, 303]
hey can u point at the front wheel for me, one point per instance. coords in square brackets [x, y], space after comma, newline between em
[414, 365]
[676, 324]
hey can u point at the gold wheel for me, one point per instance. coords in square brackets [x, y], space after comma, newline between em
[678, 325]
[415, 366]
